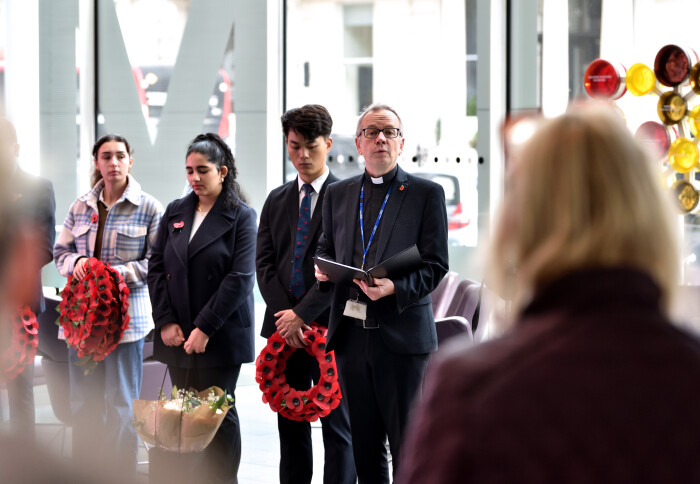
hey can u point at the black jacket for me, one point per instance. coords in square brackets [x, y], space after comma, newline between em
[415, 214]
[34, 201]
[206, 283]
[275, 251]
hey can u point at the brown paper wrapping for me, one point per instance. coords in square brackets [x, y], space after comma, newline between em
[175, 430]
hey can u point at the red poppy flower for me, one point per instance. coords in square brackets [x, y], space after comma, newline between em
[23, 344]
[327, 388]
[333, 402]
[329, 372]
[276, 346]
[318, 398]
[318, 346]
[94, 218]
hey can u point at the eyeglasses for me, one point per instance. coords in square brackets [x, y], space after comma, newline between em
[372, 133]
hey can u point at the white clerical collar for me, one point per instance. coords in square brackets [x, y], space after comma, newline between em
[377, 181]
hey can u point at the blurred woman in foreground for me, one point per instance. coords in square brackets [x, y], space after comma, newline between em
[593, 384]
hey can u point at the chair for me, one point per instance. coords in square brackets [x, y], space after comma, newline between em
[458, 303]
[448, 328]
[488, 301]
[57, 378]
[153, 373]
[49, 345]
[53, 366]
[460, 312]
[443, 294]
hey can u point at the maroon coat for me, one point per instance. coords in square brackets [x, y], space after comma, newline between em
[593, 386]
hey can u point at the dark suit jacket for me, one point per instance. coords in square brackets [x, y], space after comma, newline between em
[594, 384]
[414, 214]
[34, 201]
[275, 251]
[206, 283]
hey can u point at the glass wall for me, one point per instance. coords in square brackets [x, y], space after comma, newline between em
[165, 73]
[420, 58]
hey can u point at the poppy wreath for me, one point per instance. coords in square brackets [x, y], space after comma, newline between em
[309, 405]
[94, 312]
[23, 343]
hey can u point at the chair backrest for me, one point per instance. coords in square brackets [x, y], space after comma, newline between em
[58, 385]
[489, 300]
[442, 295]
[155, 374]
[451, 327]
[470, 302]
[458, 300]
[49, 344]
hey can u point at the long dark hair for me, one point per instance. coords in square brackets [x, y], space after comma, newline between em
[96, 175]
[217, 151]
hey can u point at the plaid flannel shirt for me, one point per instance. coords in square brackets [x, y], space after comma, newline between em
[129, 233]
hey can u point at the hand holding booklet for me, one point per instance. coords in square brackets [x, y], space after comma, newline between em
[397, 265]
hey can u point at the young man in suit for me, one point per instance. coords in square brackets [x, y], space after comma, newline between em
[290, 225]
[32, 199]
[382, 335]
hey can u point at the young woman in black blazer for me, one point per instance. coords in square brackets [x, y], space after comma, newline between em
[201, 275]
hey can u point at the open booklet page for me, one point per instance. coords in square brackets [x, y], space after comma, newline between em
[405, 261]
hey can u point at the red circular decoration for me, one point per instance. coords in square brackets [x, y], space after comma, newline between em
[23, 343]
[604, 80]
[309, 405]
[673, 64]
[94, 312]
[656, 137]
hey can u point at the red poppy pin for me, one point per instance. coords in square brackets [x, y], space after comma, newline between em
[94, 218]
[401, 188]
[179, 225]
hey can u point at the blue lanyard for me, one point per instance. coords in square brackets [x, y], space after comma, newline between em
[376, 223]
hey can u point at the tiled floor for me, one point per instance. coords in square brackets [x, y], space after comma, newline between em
[260, 455]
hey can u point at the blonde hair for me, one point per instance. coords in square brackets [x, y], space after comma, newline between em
[582, 193]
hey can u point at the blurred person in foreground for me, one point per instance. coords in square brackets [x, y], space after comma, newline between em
[30, 198]
[21, 259]
[593, 383]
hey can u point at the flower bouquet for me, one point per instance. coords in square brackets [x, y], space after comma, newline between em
[309, 405]
[23, 343]
[94, 312]
[185, 422]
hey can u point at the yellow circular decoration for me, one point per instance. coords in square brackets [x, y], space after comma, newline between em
[683, 155]
[671, 108]
[694, 78]
[640, 79]
[686, 196]
[694, 120]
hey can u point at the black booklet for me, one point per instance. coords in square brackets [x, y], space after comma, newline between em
[397, 265]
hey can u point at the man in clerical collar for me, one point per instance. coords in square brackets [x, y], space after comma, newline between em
[382, 334]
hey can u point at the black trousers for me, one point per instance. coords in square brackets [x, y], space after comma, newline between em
[223, 455]
[296, 454]
[379, 387]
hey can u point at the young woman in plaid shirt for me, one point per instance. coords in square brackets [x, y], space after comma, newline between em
[115, 222]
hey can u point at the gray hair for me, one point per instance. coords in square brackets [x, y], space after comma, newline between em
[377, 107]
